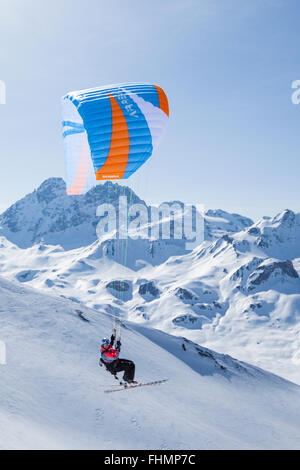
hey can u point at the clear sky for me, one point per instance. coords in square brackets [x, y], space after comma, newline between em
[226, 65]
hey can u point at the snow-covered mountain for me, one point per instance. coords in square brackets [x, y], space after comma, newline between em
[49, 216]
[52, 388]
[237, 293]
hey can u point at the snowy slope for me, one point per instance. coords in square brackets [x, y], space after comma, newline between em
[227, 294]
[237, 293]
[234, 295]
[52, 388]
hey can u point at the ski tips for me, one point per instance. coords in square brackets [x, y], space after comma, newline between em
[138, 385]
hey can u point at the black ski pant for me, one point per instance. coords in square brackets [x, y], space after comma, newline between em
[123, 365]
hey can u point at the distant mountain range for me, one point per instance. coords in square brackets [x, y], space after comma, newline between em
[237, 293]
[49, 216]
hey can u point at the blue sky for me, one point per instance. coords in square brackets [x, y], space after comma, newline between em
[227, 67]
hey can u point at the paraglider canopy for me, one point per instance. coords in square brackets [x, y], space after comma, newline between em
[109, 132]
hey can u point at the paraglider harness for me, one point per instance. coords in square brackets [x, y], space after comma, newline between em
[108, 365]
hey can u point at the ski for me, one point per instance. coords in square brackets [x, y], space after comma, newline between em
[129, 387]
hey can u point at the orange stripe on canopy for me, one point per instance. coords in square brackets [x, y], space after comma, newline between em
[114, 167]
[163, 100]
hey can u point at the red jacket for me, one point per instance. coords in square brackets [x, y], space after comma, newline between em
[109, 355]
